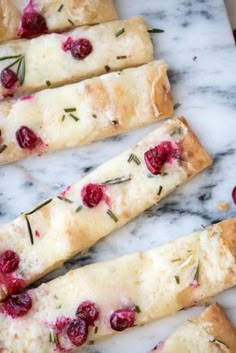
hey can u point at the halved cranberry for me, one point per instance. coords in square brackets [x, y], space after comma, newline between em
[11, 283]
[9, 261]
[81, 48]
[18, 305]
[234, 195]
[26, 138]
[92, 194]
[78, 332]
[88, 311]
[61, 324]
[156, 157]
[8, 78]
[32, 24]
[122, 319]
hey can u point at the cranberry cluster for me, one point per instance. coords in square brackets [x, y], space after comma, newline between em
[79, 48]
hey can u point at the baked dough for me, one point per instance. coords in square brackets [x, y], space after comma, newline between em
[157, 283]
[105, 106]
[211, 332]
[57, 14]
[68, 226]
[47, 63]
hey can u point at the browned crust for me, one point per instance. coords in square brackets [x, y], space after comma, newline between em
[162, 96]
[9, 20]
[220, 326]
[194, 155]
[228, 234]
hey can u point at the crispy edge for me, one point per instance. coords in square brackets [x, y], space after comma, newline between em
[228, 234]
[161, 97]
[194, 155]
[220, 327]
[9, 20]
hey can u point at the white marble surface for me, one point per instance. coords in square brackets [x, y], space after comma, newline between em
[206, 89]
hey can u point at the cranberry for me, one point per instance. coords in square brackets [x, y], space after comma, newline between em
[9, 261]
[61, 324]
[234, 195]
[156, 157]
[26, 138]
[18, 305]
[78, 332]
[12, 284]
[8, 78]
[88, 311]
[122, 319]
[92, 194]
[33, 24]
[81, 48]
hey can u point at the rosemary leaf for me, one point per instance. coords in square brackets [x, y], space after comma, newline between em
[96, 330]
[176, 106]
[29, 230]
[137, 309]
[94, 116]
[78, 209]
[74, 117]
[48, 83]
[117, 181]
[177, 279]
[120, 32]
[196, 273]
[120, 57]
[63, 118]
[160, 190]
[60, 8]
[156, 30]
[39, 207]
[70, 110]
[14, 63]
[2, 148]
[218, 342]
[10, 57]
[64, 199]
[112, 215]
[107, 68]
[176, 260]
[71, 22]
[22, 71]
[134, 158]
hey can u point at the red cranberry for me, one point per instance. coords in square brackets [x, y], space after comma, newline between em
[8, 78]
[81, 48]
[156, 157]
[89, 312]
[78, 332]
[9, 261]
[26, 138]
[18, 305]
[234, 195]
[92, 194]
[11, 283]
[122, 319]
[61, 324]
[33, 24]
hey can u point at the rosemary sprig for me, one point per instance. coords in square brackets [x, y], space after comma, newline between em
[177, 279]
[21, 71]
[74, 117]
[120, 32]
[39, 207]
[117, 180]
[177, 105]
[112, 215]
[107, 68]
[196, 273]
[120, 57]
[64, 199]
[160, 190]
[2, 148]
[134, 158]
[70, 110]
[14, 63]
[29, 230]
[10, 57]
[60, 8]
[156, 30]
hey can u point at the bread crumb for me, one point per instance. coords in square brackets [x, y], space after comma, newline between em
[222, 206]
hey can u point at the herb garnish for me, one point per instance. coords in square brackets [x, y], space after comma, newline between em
[156, 30]
[2, 148]
[121, 57]
[78, 209]
[112, 215]
[120, 32]
[53, 337]
[91, 343]
[177, 279]
[176, 132]
[29, 230]
[96, 330]
[134, 158]
[196, 273]
[64, 199]
[74, 117]
[70, 110]
[176, 106]
[218, 342]
[137, 309]
[48, 83]
[70, 21]
[39, 207]
[20, 62]
[94, 116]
[176, 260]
[107, 68]
[160, 190]
[60, 8]
[117, 180]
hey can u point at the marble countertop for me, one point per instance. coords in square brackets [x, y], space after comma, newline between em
[199, 48]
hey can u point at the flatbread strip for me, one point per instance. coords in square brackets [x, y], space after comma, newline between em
[48, 60]
[211, 332]
[155, 284]
[58, 14]
[121, 189]
[87, 111]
